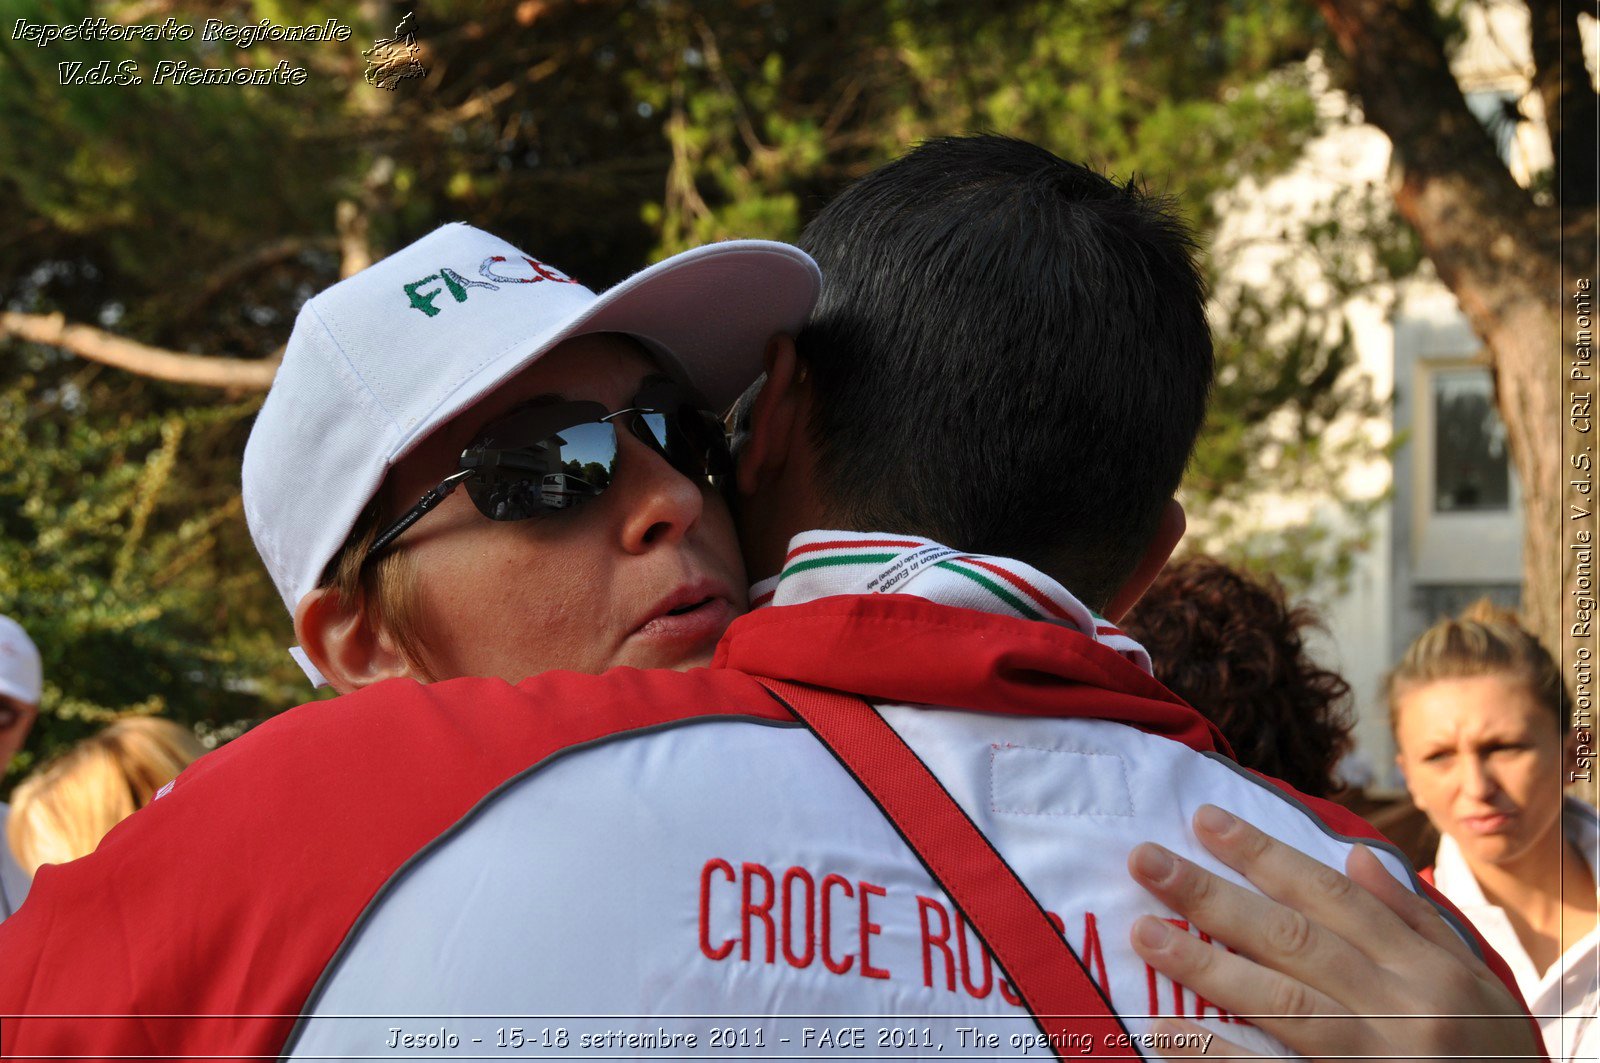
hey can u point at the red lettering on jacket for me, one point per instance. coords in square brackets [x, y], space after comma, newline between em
[1093, 956]
[963, 965]
[793, 926]
[836, 966]
[721, 951]
[1151, 979]
[808, 901]
[928, 906]
[762, 911]
[1201, 1004]
[869, 930]
[936, 928]
[976, 991]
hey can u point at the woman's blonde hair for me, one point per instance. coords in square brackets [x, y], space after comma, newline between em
[61, 811]
[386, 588]
[1484, 640]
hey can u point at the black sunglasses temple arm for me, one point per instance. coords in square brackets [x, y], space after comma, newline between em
[417, 512]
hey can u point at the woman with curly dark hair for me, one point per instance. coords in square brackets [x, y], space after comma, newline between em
[1233, 647]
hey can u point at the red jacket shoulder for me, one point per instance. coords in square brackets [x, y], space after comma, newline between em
[229, 894]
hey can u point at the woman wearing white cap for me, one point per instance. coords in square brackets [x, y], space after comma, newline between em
[21, 683]
[451, 392]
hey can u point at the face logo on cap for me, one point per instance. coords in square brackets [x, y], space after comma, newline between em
[491, 268]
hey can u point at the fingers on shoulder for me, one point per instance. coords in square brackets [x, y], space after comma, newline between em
[1295, 1013]
[1415, 910]
[1269, 863]
[1182, 884]
[1287, 934]
[1225, 977]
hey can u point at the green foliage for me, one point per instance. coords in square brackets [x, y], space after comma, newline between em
[761, 118]
[1306, 556]
[1291, 413]
[110, 559]
[99, 162]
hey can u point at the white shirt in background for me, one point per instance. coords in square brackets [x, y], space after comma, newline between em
[1565, 997]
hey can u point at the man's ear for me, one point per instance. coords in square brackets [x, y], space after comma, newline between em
[343, 642]
[1168, 531]
[774, 416]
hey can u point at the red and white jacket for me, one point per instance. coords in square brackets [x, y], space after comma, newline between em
[615, 864]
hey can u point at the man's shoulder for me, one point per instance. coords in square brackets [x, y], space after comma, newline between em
[387, 767]
[550, 700]
[477, 726]
[327, 801]
[368, 778]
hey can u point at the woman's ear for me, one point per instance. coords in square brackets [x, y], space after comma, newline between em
[346, 645]
[773, 417]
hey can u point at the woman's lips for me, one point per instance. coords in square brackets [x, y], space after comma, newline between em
[1494, 823]
[703, 622]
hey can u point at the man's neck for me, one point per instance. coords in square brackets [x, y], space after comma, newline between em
[767, 522]
[776, 509]
[764, 543]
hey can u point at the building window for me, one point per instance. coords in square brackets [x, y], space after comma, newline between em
[1471, 471]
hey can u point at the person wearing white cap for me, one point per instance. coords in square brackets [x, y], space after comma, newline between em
[430, 407]
[21, 686]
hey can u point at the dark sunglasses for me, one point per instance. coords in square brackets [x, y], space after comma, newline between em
[543, 459]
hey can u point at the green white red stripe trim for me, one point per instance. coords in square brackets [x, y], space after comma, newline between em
[824, 563]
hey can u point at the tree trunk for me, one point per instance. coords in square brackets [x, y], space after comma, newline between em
[1497, 251]
[1571, 106]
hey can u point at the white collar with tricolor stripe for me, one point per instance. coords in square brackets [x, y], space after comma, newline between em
[821, 564]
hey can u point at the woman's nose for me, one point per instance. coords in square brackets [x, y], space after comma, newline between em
[1477, 777]
[662, 504]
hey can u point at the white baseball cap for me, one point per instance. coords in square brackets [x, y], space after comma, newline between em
[380, 360]
[21, 673]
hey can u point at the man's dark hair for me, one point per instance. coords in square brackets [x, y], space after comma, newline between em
[1010, 356]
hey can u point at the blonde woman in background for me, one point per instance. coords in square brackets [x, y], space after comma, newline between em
[61, 811]
[1482, 724]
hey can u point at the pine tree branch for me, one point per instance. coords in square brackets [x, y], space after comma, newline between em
[97, 345]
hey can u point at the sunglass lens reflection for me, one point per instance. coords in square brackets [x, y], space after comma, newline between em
[561, 470]
[587, 458]
[555, 473]
[692, 441]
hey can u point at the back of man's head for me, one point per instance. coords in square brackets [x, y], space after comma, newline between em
[1010, 356]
